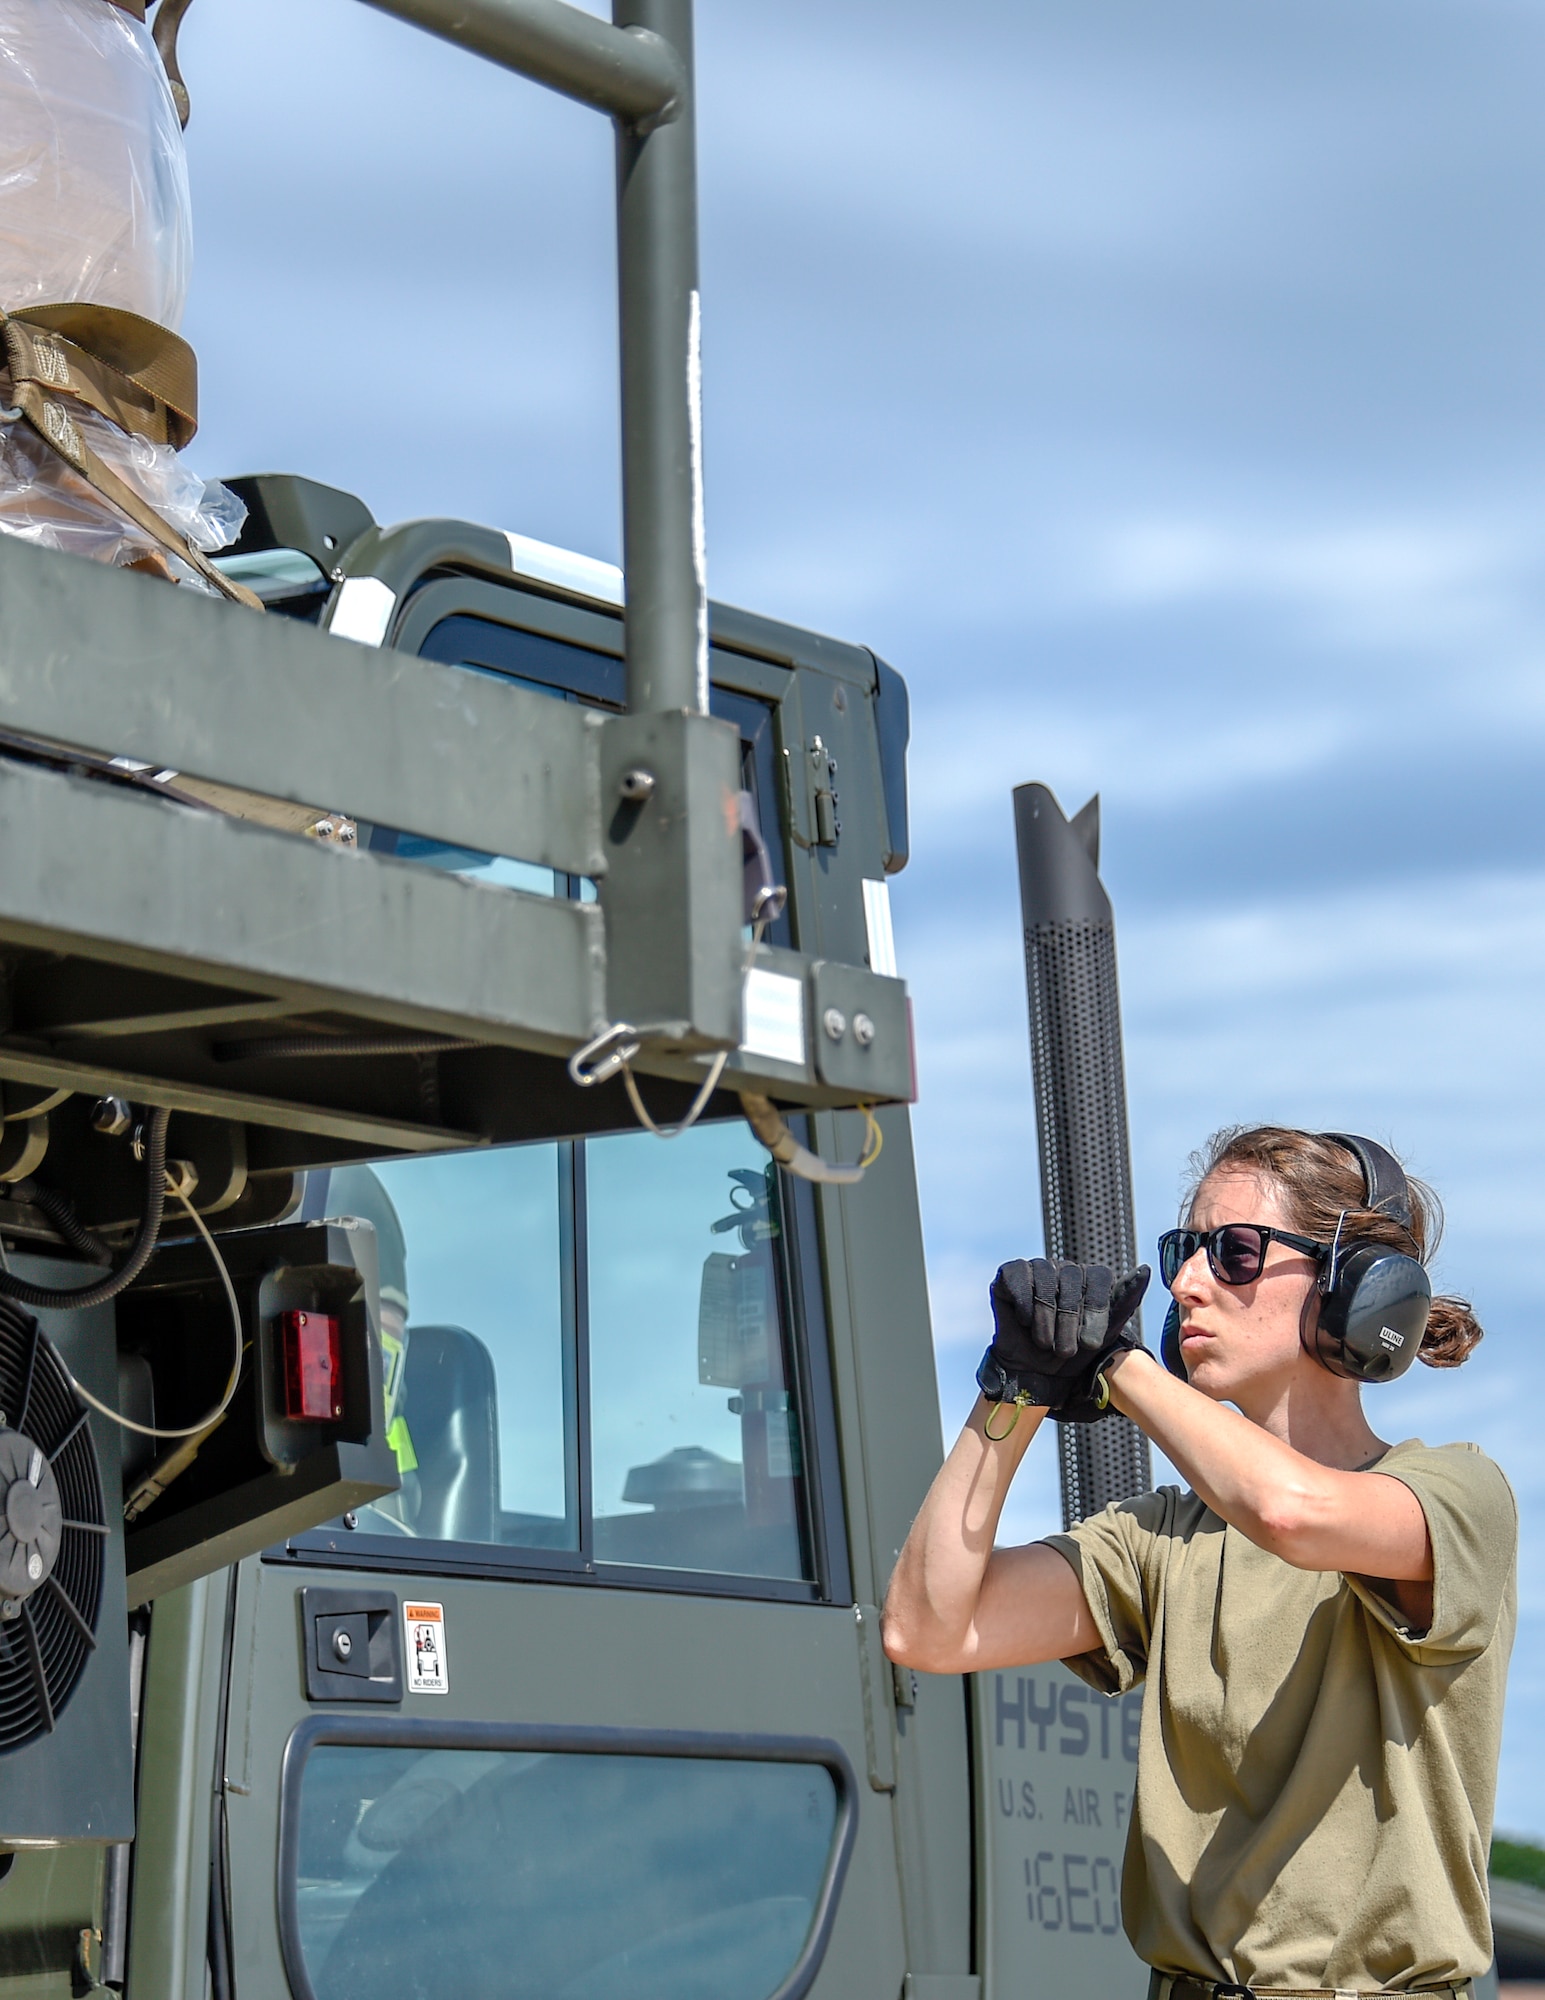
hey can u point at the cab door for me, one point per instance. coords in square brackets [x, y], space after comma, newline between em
[587, 1708]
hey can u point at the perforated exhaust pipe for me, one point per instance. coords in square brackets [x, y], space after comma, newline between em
[1080, 1100]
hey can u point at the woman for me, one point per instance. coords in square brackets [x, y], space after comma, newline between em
[1323, 1621]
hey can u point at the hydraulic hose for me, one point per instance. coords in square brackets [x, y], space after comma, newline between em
[49, 1297]
[767, 1122]
[62, 1215]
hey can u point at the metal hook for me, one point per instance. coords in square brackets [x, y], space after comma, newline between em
[168, 20]
[615, 1046]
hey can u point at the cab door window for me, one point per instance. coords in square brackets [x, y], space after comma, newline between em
[411, 1869]
[695, 1436]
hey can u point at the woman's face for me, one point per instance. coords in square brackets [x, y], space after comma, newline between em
[1233, 1336]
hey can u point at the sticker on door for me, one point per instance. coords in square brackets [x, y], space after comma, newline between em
[425, 1635]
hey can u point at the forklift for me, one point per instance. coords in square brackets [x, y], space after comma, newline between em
[465, 1368]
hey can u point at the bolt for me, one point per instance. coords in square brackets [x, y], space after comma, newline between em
[863, 1030]
[835, 1022]
[351, 1520]
[635, 786]
[110, 1116]
[343, 1645]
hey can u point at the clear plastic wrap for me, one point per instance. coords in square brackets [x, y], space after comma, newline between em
[93, 174]
[94, 208]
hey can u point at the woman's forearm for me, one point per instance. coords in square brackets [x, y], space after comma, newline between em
[1314, 1516]
[934, 1593]
[958, 1605]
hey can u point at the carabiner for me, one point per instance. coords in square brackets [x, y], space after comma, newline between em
[604, 1054]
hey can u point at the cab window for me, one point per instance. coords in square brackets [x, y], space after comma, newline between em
[593, 1350]
[561, 1875]
[695, 1438]
[589, 1354]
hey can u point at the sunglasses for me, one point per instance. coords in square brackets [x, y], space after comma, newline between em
[1236, 1252]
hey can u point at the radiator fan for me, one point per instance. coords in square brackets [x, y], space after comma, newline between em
[53, 1528]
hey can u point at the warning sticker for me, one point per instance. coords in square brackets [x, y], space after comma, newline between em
[425, 1635]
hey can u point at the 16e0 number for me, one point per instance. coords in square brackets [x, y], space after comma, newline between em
[1080, 1894]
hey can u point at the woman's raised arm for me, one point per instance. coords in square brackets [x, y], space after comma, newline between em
[1313, 1516]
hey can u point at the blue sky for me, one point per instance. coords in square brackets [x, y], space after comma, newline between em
[1159, 388]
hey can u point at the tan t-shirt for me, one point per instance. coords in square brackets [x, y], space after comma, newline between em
[1315, 1781]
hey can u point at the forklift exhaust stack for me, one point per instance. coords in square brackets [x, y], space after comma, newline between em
[1080, 1100]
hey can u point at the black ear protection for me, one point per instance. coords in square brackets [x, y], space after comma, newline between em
[1374, 1301]
[1169, 1343]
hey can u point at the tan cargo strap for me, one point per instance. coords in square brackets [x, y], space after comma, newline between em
[1185, 1986]
[131, 371]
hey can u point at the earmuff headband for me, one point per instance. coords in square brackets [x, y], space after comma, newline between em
[1385, 1187]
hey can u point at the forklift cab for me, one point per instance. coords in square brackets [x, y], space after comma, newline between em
[594, 1703]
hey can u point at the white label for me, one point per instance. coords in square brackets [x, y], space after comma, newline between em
[424, 1631]
[363, 611]
[877, 923]
[775, 1016]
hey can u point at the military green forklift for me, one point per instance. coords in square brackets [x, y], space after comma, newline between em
[465, 1369]
[514, 1628]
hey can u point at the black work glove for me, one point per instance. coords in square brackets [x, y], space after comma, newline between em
[1055, 1323]
[1082, 1408]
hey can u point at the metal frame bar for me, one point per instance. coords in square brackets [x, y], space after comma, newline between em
[639, 71]
[629, 75]
[92, 660]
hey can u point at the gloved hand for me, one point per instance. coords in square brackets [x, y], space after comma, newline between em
[1055, 1323]
[1122, 1333]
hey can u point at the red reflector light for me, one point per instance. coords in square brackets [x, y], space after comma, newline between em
[313, 1389]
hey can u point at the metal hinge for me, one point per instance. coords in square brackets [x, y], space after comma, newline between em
[874, 1675]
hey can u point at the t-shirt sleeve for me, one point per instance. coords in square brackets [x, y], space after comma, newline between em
[1112, 1555]
[1472, 1519]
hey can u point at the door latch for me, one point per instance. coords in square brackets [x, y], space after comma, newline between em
[351, 1641]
